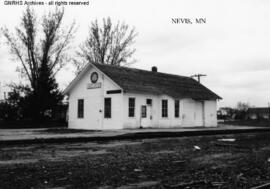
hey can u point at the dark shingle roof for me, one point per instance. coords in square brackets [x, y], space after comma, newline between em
[136, 80]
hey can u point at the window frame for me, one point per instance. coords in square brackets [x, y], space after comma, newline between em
[108, 108]
[176, 108]
[143, 111]
[164, 108]
[80, 108]
[149, 100]
[131, 109]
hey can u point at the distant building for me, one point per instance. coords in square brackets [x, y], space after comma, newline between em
[225, 113]
[258, 113]
[110, 97]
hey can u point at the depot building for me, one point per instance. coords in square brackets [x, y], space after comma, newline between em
[110, 97]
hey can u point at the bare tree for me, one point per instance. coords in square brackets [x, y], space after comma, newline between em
[32, 52]
[42, 53]
[241, 110]
[242, 106]
[107, 44]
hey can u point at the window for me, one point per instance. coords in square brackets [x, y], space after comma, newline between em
[131, 107]
[144, 112]
[149, 102]
[164, 109]
[80, 108]
[176, 108]
[107, 108]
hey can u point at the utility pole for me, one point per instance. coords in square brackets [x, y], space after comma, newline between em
[198, 76]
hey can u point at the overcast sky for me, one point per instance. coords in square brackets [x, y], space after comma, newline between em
[232, 48]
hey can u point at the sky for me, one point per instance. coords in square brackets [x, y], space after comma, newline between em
[232, 48]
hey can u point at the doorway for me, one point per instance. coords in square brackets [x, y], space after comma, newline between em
[94, 112]
[146, 116]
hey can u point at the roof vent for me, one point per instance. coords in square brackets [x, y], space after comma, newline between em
[154, 69]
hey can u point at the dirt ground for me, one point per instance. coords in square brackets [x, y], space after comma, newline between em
[187, 162]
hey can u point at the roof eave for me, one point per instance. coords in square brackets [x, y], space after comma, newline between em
[80, 75]
[108, 77]
[75, 80]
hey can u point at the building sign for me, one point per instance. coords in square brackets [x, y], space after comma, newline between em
[93, 85]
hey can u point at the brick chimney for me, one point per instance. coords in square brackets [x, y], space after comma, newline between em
[154, 69]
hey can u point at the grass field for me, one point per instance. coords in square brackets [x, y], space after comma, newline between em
[149, 163]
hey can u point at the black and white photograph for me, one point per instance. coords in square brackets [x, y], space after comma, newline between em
[125, 94]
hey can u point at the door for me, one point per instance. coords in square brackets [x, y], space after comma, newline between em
[95, 112]
[199, 112]
[146, 116]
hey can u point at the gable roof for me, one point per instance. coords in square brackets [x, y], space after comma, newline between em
[136, 80]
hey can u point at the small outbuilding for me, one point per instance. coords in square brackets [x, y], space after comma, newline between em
[110, 97]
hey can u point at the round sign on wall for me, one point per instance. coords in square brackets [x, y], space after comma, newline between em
[94, 77]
